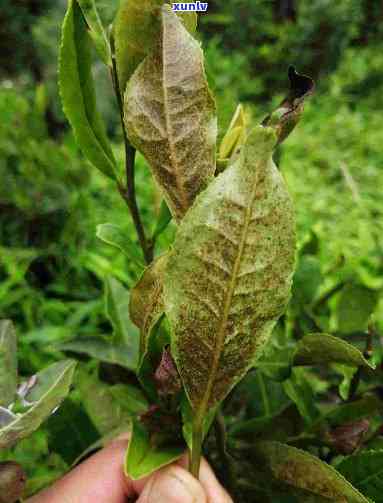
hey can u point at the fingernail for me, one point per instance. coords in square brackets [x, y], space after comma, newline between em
[175, 485]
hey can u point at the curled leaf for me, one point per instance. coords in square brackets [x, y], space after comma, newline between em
[288, 113]
[96, 29]
[229, 276]
[234, 135]
[170, 115]
[78, 93]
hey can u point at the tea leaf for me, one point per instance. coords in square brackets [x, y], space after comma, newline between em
[78, 94]
[304, 471]
[146, 301]
[355, 306]
[143, 457]
[114, 236]
[235, 133]
[96, 30]
[170, 115]
[136, 27]
[316, 349]
[298, 389]
[364, 470]
[117, 300]
[229, 276]
[12, 482]
[52, 386]
[100, 349]
[8, 363]
[163, 220]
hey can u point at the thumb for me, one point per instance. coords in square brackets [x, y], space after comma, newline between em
[173, 485]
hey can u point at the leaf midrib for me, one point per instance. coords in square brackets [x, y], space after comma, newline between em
[220, 339]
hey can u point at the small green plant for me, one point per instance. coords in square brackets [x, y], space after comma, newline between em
[24, 406]
[218, 366]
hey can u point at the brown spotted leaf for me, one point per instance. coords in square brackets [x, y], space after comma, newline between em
[146, 301]
[12, 482]
[170, 115]
[229, 276]
[304, 471]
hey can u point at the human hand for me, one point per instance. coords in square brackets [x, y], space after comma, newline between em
[100, 479]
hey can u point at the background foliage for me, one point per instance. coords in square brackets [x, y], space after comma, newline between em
[53, 268]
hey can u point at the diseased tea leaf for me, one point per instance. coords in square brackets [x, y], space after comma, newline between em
[96, 30]
[12, 482]
[355, 306]
[319, 349]
[228, 278]
[52, 386]
[117, 300]
[78, 94]
[170, 115]
[144, 457]
[8, 363]
[114, 236]
[100, 349]
[364, 470]
[146, 301]
[136, 27]
[304, 471]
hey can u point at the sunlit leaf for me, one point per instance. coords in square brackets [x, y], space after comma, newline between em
[235, 133]
[78, 94]
[117, 300]
[12, 482]
[229, 276]
[322, 349]
[143, 457]
[8, 363]
[304, 471]
[96, 29]
[52, 386]
[170, 115]
[136, 27]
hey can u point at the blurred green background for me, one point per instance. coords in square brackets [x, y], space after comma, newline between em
[52, 266]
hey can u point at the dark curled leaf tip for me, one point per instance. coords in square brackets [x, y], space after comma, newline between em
[300, 85]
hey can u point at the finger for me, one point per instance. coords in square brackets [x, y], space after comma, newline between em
[214, 491]
[98, 479]
[173, 484]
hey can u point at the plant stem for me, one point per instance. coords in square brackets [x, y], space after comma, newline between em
[128, 193]
[196, 452]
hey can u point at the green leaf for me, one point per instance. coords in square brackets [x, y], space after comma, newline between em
[304, 471]
[52, 386]
[228, 278]
[317, 349]
[114, 236]
[70, 431]
[163, 220]
[355, 306]
[298, 389]
[78, 94]
[105, 411]
[117, 301]
[187, 420]
[131, 399]
[136, 28]
[146, 301]
[365, 471]
[234, 135]
[143, 457]
[276, 359]
[307, 280]
[12, 482]
[101, 349]
[96, 30]
[180, 147]
[8, 363]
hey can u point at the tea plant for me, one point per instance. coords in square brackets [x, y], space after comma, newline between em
[217, 364]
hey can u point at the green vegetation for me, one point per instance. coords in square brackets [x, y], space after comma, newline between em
[67, 290]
